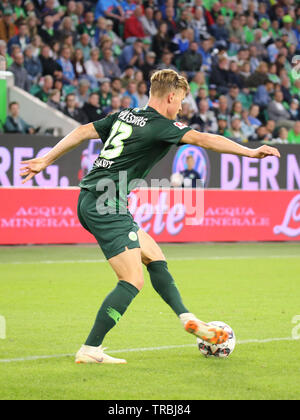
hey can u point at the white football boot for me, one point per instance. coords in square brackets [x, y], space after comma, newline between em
[212, 335]
[89, 354]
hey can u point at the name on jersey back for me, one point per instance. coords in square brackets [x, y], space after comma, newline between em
[130, 118]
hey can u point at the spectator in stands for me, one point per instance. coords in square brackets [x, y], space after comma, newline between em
[294, 110]
[236, 35]
[67, 67]
[212, 96]
[49, 65]
[235, 132]
[285, 83]
[232, 96]
[261, 134]
[259, 77]
[219, 30]
[14, 123]
[186, 114]
[94, 68]
[100, 30]
[128, 7]
[131, 92]
[220, 75]
[115, 105]
[32, 64]
[7, 27]
[105, 94]
[36, 44]
[125, 102]
[21, 76]
[132, 55]
[32, 25]
[199, 24]
[72, 111]
[84, 45]
[148, 23]
[110, 67]
[191, 60]
[282, 136]
[47, 31]
[92, 109]
[205, 119]
[133, 27]
[116, 86]
[161, 42]
[271, 126]
[50, 9]
[78, 64]
[262, 96]
[205, 49]
[237, 109]
[83, 92]
[141, 94]
[277, 111]
[149, 65]
[22, 39]
[166, 62]
[247, 128]
[88, 26]
[197, 82]
[294, 134]
[45, 89]
[234, 76]
[253, 116]
[66, 28]
[288, 29]
[274, 48]
[223, 108]
[117, 42]
[222, 125]
[54, 100]
[110, 9]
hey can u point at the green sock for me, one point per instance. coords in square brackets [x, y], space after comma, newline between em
[112, 308]
[164, 284]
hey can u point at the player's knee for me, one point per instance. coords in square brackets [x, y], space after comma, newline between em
[138, 282]
[135, 280]
[154, 256]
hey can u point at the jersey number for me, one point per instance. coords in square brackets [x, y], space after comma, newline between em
[120, 131]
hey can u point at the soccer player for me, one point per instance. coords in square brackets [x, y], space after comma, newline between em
[134, 141]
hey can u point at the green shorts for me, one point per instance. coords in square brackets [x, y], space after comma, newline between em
[114, 232]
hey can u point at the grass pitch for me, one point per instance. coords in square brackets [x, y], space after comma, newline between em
[49, 297]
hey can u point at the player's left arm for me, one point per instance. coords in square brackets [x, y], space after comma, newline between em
[71, 141]
[221, 144]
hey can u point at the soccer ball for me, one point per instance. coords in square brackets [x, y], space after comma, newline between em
[218, 350]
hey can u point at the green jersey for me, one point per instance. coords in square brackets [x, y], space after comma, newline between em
[134, 140]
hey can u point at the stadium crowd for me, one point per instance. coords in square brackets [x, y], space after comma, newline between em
[90, 58]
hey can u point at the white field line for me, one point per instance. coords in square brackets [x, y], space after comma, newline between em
[88, 261]
[143, 349]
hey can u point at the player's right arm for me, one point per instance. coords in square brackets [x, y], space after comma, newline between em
[71, 141]
[223, 145]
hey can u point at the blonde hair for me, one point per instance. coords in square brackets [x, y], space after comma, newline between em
[165, 81]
